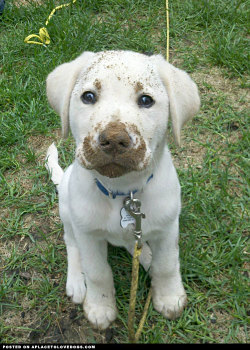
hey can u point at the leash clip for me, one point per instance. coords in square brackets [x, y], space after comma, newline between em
[133, 207]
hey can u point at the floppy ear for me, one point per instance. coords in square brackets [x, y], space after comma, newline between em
[59, 85]
[183, 95]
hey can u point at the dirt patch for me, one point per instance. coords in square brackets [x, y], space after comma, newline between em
[213, 86]
[220, 324]
[70, 328]
[213, 82]
[98, 85]
[19, 3]
[40, 143]
[138, 87]
[192, 154]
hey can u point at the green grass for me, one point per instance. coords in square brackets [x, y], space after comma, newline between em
[209, 40]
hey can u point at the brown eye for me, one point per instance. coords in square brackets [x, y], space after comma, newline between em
[145, 101]
[89, 98]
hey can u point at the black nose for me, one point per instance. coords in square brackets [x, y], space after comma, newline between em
[114, 140]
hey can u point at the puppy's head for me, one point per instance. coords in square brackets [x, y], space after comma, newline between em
[117, 104]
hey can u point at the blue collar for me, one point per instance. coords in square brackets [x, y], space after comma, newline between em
[112, 194]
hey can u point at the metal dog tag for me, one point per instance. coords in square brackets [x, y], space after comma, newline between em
[126, 218]
[132, 206]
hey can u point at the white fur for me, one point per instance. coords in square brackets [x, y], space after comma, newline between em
[92, 219]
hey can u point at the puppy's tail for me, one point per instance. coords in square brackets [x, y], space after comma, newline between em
[51, 164]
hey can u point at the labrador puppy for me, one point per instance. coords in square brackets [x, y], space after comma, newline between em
[117, 105]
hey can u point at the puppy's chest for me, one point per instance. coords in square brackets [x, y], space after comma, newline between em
[115, 223]
[115, 219]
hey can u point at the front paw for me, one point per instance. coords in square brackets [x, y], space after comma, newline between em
[100, 315]
[75, 288]
[170, 307]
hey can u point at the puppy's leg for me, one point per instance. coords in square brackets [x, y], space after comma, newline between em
[99, 304]
[169, 297]
[75, 286]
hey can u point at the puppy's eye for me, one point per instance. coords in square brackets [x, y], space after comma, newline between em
[145, 101]
[88, 98]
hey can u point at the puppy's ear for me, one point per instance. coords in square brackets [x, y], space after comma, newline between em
[59, 85]
[183, 95]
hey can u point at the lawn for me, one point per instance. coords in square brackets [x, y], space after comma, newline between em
[209, 40]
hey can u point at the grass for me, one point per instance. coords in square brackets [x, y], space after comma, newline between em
[208, 39]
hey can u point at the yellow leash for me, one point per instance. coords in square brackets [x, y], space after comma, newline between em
[43, 37]
[132, 335]
[167, 21]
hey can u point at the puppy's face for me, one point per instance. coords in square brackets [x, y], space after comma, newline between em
[118, 113]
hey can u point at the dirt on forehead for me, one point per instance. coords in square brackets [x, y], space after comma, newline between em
[97, 84]
[138, 86]
[121, 63]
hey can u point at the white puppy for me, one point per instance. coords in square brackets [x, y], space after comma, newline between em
[117, 105]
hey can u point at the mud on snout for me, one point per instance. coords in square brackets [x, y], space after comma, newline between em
[113, 150]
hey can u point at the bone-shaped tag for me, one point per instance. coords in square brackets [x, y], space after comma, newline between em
[126, 218]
